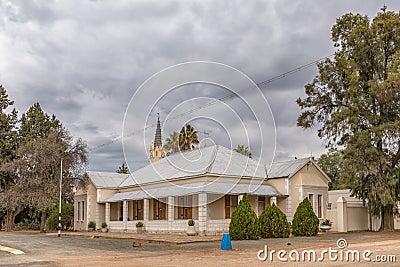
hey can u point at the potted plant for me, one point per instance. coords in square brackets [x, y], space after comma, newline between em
[139, 227]
[326, 225]
[104, 227]
[191, 231]
[91, 226]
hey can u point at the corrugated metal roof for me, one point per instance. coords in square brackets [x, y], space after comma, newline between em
[106, 179]
[286, 168]
[216, 160]
[195, 188]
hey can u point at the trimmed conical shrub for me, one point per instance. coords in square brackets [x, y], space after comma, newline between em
[273, 223]
[305, 222]
[244, 221]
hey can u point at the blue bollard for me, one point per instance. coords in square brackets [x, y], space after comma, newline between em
[226, 242]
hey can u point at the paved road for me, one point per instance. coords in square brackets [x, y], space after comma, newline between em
[49, 250]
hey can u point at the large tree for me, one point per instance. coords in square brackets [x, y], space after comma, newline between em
[332, 164]
[8, 144]
[354, 102]
[36, 166]
[187, 138]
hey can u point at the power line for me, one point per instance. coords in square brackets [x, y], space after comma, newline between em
[213, 102]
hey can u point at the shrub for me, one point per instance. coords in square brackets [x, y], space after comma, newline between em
[92, 224]
[244, 221]
[191, 222]
[273, 223]
[326, 222]
[67, 216]
[139, 224]
[305, 222]
[104, 225]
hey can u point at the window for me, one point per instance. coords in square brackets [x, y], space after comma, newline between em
[83, 210]
[79, 211]
[319, 211]
[311, 199]
[261, 204]
[121, 210]
[138, 209]
[231, 203]
[185, 207]
[329, 206]
[159, 210]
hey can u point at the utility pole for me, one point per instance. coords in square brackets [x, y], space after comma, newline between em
[59, 206]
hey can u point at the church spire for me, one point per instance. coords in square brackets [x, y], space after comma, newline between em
[157, 137]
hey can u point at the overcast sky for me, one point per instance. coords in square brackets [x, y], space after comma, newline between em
[84, 60]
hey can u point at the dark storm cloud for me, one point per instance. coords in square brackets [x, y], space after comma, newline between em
[83, 60]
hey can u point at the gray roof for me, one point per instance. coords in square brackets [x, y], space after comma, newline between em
[195, 188]
[286, 168]
[213, 160]
[106, 179]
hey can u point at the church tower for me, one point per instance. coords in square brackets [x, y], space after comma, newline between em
[156, 149]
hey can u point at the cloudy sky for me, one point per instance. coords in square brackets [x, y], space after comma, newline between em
[84, 60]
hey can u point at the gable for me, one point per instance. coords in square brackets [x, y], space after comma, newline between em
[310, 175]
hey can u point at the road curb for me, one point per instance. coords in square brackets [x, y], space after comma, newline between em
[11, 250]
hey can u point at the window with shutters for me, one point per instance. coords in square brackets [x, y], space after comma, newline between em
[159, 210]
[185, 207]
[231, 202]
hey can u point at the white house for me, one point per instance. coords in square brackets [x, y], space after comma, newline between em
[204, 185]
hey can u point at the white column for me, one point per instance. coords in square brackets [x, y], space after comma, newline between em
[98, 223]
[342, 214]
[273, 200]
[125, 214]
[86, 210]
[202, 213]
[108, 213]
[146, 210]
[240, 197]
[171, 215]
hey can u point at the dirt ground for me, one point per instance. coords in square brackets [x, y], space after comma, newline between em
[41, 250]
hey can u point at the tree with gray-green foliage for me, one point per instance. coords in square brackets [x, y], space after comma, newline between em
[355, 103]
[244, 150]
[36, 164]
[273, 223]
[8, 144]
[332, 164]
[244, 222]
[305, 222]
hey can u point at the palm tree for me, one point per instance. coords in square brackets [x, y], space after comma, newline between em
[244, 150]
[187, 138]
[171, 144]
[123, 169]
